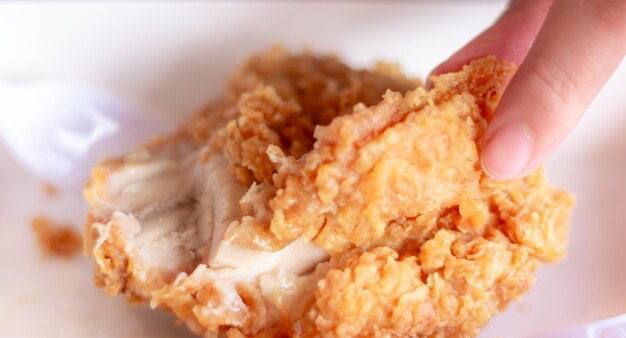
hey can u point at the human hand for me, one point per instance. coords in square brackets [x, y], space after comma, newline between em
[566, 50]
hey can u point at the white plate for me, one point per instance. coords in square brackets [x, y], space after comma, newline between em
[171, 57]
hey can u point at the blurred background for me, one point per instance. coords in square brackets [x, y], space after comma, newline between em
[170, 58]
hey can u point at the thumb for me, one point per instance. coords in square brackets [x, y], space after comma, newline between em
[579, 46]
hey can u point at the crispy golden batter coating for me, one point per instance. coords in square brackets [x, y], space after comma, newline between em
[301, 204]
[282, 99]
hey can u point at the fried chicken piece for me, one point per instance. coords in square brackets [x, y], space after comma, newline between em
[299, 204]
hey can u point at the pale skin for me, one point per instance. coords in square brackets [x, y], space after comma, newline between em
[565, 50]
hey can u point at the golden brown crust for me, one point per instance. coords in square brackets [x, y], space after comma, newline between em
[282, 99]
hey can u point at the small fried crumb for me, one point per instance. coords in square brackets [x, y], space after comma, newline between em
[50, 190]
[56, 239]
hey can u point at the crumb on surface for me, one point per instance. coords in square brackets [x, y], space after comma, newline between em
[50, 190]
[56, 239]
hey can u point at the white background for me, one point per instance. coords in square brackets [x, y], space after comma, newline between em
[171, 57]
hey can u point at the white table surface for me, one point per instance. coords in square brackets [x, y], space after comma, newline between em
[170, 57]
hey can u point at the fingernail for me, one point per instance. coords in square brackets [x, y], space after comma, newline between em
[507, 152]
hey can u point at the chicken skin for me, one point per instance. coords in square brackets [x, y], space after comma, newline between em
[313, 200]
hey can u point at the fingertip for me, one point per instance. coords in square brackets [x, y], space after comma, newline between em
[506, 154]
